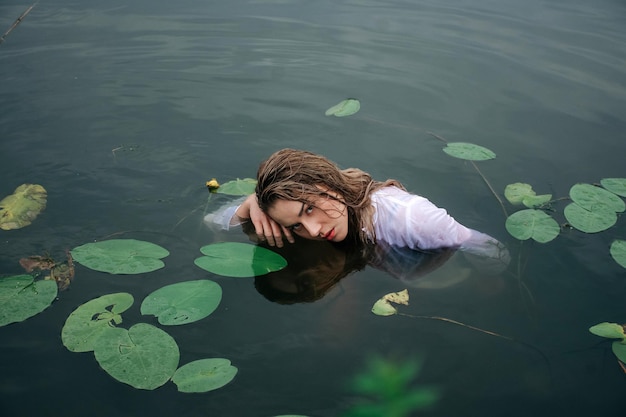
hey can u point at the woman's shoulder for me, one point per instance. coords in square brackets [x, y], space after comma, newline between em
[389, 191]
[393, 194]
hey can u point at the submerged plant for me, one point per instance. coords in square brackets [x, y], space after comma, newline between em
[385, 388]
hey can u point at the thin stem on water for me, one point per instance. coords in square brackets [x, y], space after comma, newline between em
[17, 21]
[447, 320]
[479, 173]
[459, 324]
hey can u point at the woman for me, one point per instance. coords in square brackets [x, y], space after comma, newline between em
[302, 193]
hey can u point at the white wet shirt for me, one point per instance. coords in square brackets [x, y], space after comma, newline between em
[400, 219]
[408, 220]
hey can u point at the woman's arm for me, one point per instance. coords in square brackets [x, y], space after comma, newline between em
[265, 228]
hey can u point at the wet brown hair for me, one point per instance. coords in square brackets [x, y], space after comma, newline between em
[296, 175]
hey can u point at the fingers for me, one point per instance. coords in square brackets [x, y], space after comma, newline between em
[288, 234]
[272, 233]
[267, 229]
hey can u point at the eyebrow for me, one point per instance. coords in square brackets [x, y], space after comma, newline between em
[299, 215]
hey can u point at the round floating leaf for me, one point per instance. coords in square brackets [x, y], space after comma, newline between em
[468, 151]
[121, 256]
[22, 207]
[344, 108]
[184, 302]
[536, 200]
[85, 325]
[233, 259]
[591, 198]
[143, 356]
[615, 185]
[383, 307]
[608, 330]
[204, 375]
[590, 221]
[22, 298]
[619, 350]
[535, 224]
[515, 193]
[618, 251]
[238, 187]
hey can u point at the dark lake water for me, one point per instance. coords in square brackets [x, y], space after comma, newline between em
[123, 109]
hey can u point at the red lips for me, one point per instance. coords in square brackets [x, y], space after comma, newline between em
[330, 235]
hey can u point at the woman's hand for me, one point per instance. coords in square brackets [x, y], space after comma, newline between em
[265, 228]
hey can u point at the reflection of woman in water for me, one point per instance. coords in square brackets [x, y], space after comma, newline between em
[304, 194]
[315, 267]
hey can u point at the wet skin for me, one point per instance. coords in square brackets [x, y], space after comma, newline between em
[322, 219]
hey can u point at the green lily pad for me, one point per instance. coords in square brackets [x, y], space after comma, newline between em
[531, 223]
[590, 221]
[204, 375]
[144, 356]
[183, 302]
[383, 307]
[22, 207]
[85, 325]
[516, 192]
[608, 330]
[536, 200]
[618, 251]
[615, 185]
[233, 259]
[619, 350]
[522, 193]
[244, 186]
[121, 256]
[469, 151]
[21, 297]
[346, 107]
[591, 198]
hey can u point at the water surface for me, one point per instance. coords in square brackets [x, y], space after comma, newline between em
[123, 110]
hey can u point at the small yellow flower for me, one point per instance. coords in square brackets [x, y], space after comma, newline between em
[212, 185]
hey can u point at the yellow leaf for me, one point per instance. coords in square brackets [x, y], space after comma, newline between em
[22, 207]
[401, 297]
[383, 307]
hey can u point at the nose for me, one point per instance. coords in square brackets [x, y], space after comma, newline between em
[313, 228]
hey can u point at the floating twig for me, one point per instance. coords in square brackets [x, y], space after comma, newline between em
[488, 332]
[17, 21]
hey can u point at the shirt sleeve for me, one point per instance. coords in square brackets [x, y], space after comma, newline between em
[407, 220]
[224, 217]
[431, 227]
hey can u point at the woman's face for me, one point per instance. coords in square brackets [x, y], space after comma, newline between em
[323, 218]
